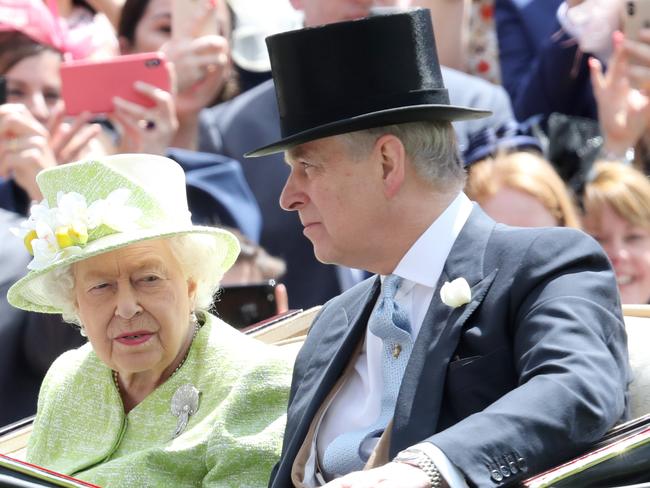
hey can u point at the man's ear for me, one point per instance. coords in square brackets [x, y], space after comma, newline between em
[393, 161]
[296, 4]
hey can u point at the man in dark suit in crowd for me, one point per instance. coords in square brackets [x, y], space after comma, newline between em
[250, 121]
[483, 353]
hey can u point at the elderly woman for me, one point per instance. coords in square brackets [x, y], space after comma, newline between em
[616, 202]
[164, 394]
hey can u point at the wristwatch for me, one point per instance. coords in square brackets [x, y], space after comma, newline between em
[420, 459]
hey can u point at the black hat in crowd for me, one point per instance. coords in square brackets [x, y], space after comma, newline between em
[356, 75]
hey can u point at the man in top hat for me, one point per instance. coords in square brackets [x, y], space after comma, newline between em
[250, 120]
[482, 353]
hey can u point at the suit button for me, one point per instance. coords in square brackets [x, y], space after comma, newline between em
[512, 464]
[505, 471]
[521, 462]
[496, 475]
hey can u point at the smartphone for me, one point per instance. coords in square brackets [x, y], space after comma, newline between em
[636, 16]
[91, 85]
[194, 18]
[3, 90]
[243, 305]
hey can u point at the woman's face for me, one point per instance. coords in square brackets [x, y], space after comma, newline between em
[135, 305]
[514, 207]
[36, 83]
[154, 28]
[628, 248]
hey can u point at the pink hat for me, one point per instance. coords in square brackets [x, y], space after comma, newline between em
[34, 19]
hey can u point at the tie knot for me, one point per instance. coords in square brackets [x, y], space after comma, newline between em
[390, 286]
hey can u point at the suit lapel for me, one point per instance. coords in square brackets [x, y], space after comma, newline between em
[420, 396]
[341, 335]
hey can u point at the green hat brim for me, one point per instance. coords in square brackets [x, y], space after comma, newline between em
[20, 292]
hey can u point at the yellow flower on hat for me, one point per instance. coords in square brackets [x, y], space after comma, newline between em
[28, 238]
[71, 235]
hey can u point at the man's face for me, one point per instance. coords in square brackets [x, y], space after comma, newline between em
[339, 199]
[318, 12]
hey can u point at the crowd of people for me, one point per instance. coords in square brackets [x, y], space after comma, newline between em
[327, 165]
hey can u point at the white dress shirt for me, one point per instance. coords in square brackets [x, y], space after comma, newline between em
[357, 403]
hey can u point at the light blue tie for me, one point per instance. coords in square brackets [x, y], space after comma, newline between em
[350, 451]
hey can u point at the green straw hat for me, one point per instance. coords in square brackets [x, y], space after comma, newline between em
[97, 206]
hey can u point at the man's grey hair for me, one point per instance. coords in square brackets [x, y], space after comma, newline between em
[200, 259]
[430, 146]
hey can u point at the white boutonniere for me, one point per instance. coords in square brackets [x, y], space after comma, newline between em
[456, 293]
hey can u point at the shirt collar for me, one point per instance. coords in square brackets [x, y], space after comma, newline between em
[423, 262]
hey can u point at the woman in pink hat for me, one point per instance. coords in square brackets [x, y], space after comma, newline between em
[34, 133]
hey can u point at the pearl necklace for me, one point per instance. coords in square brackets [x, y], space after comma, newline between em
[187, 353]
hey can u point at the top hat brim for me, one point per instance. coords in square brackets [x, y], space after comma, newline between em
[398, 115]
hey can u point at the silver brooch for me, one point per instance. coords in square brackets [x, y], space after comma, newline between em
[185, 403]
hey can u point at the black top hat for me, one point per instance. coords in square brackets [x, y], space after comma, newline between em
[356, 75]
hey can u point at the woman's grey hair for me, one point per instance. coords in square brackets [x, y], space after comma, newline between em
[431, 147]
[199, 256]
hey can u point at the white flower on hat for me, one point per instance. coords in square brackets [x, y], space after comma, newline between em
[53, 233]
[71, 208]
[41, 216]
[456, 293]
[113, 212]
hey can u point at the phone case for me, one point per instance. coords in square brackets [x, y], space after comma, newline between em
[636, 16]
[243, 305]
[91, 85]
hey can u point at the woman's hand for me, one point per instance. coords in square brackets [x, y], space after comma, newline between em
[202, 63]
[202, 68]
[146, 129]
[24, 148]
[623, 111]
[281, 299]
[68, 140]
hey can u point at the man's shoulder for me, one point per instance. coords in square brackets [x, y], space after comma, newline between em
[517, 236]
[245, 105]
[546, 244]
[241, 124]
[469, 90]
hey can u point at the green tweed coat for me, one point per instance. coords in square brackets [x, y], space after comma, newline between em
[232, 441]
